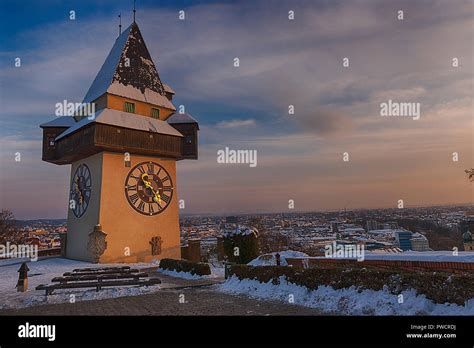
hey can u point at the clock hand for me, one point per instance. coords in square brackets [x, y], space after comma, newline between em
[156, 194]
[78, 189]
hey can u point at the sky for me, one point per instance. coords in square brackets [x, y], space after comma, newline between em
[283, 62]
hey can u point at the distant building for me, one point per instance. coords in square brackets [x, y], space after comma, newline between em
[467, 241]
[231, 220]
[403, 238]
[467, 227]
[419, 243]
[390, 225]
[371, 225]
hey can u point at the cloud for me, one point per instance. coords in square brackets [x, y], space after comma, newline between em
[236, 123]
[282, 63]
[324, 121]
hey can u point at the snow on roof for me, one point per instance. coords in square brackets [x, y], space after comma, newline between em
[62, 121]
[104, 77]
[129, 71]
[418, 236]
[181, 118]
[126, 120]
[388, 231]
[168, 88]
[352, 229]
[149, 96]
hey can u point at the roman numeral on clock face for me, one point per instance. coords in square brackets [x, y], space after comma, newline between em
[165, 198]
[134, 198]
[150, 208]
[148, 194]
[151, 168]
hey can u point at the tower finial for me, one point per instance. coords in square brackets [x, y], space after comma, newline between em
[134, 11]
[120, 23]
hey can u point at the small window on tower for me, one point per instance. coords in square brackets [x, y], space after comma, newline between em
[129, 107]
[155, 113]
[189, 139]
[51, 141]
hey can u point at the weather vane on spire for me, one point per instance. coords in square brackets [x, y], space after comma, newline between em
[134, 11]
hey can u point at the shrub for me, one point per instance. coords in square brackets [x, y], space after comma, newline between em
[439, 287]
[194, 268]
[243, 238]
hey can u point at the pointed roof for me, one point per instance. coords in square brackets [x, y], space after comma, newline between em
[178, 118]
[129, 71]
[59, 122]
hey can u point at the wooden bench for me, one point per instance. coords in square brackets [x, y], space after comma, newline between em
[110, 276]
[101, 272]
[99, 278]
[118, 269]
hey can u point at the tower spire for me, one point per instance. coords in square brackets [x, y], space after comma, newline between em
[120, 23]
[134, 11]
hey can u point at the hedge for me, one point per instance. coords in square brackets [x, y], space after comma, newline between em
[439, 287]
[194, 268]
[248, 248]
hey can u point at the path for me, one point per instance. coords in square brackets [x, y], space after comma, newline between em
[201, 298]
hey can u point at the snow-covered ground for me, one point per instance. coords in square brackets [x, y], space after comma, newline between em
[270, 259]
[184, 275]
[42, 271]
[344, 301]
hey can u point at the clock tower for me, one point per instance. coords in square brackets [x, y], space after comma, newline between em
[123, 199]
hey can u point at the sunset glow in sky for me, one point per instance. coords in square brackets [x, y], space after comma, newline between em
[282, 63]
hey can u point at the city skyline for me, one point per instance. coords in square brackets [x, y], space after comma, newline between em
[282, 63]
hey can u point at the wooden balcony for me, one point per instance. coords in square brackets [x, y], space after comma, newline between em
[97, 137]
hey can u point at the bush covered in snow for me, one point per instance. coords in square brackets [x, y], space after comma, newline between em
[438, 287]
[240, 244]
[193, 268]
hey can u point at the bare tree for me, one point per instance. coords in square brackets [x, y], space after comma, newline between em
[7, 226]
[269, 241]
[470, 174]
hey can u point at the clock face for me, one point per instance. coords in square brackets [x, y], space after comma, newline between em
[148, 188]
[80, 192]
